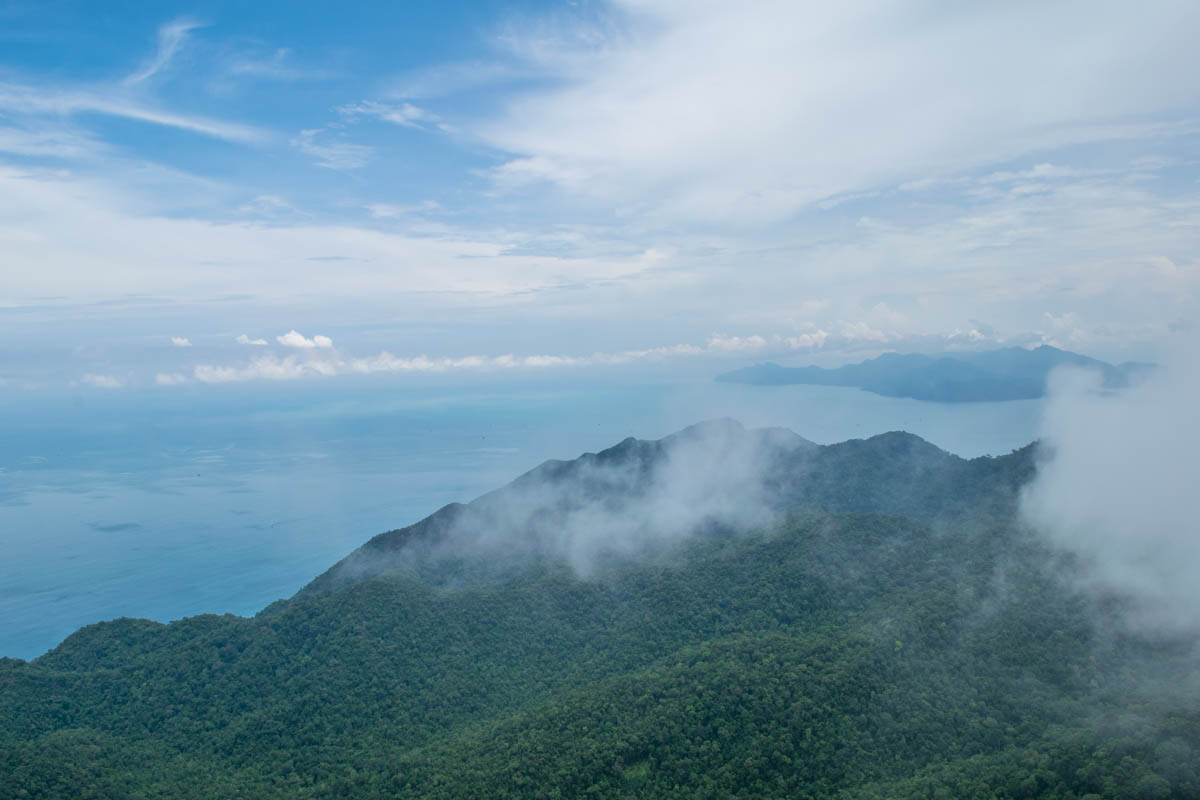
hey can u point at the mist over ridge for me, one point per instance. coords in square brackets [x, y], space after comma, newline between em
[640, 498]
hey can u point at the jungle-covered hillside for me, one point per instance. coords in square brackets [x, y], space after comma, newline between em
[874, 623]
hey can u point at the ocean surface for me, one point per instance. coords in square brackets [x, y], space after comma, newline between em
[164, 504]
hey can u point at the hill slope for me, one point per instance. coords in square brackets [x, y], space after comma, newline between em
[882, 630]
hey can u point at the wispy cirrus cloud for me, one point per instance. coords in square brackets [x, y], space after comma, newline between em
[171, 37]
[270, 206]
[404, 114]
[44, 101]
[102, 381]
[41, 104]
[41, 140]
[278, 66]
[442, 80]
[335, 154]
[329, 147]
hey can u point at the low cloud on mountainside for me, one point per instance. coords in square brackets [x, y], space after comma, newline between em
[1119, 489]
[631, 500]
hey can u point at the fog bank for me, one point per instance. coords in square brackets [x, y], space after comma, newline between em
[1118, 488]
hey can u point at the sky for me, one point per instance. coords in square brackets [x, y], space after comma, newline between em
[216, 193]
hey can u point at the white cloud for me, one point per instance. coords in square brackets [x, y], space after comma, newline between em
[403, 114]
[449, 79]
[244, 339]
[61, 229]
[170, 38]
[170, 379]
[395, 211]
[1066, 330]
[807, 341]
[645, 131]
[48, 101]
[102, 381]
[294, 338]
[1122, 256]
[277, 66]
[180, 341]
[756, 343]
[862, 332]
[292, 367]
[1045, 171]
[332, 155]
[737, 344]
[263, 368]
[270, 206]
[45, 141]
[44, 105]
[716, 112]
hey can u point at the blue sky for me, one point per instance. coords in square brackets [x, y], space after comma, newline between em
[229, 192]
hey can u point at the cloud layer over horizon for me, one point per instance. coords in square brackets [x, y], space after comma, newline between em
[614, 177]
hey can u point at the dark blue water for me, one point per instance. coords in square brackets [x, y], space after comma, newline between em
[223, 499]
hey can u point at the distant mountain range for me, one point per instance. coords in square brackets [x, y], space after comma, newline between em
[1012, 373]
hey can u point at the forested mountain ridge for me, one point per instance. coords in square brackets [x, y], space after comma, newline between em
[713, 474]
[1011, 373]
[885, 629]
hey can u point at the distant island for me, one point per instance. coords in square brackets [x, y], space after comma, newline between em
[1011, 373]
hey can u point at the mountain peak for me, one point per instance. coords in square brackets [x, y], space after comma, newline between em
[641, 496]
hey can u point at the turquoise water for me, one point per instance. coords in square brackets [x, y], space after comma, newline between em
[219, 499]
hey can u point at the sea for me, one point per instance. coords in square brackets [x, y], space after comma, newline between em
[172, 502]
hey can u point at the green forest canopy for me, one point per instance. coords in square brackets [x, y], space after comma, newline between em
[927, 646]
